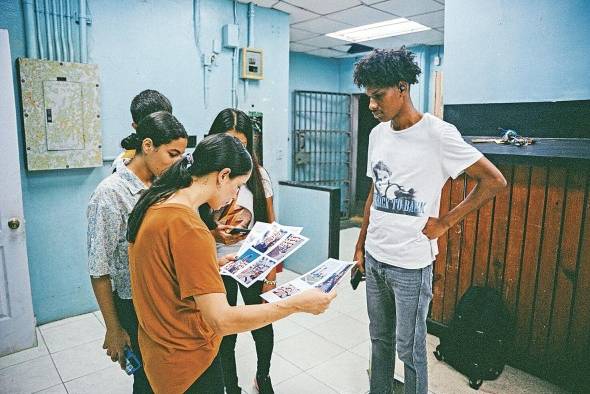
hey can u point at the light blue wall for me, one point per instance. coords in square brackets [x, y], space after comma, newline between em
[140, 45]
[308, 72]
[501, 51]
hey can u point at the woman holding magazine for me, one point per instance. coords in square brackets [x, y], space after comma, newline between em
[253, 204]
[177, 289]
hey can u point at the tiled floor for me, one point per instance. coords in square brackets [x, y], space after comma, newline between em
[323, 354]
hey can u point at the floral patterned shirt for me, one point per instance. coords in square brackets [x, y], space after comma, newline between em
[108, 210]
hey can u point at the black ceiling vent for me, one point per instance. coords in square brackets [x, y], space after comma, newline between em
[358, 48]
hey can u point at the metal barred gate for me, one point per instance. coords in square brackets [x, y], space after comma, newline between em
[322, 142]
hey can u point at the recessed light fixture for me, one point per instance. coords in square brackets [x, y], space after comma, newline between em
[394, 27]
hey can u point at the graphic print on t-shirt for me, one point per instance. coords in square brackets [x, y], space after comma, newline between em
[392, 197]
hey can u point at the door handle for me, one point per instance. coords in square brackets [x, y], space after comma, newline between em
[13, 223]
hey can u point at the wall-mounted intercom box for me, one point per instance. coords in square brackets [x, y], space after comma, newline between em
[61, 114]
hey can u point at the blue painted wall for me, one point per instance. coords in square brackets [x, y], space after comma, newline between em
[152, 47]
[516, 51]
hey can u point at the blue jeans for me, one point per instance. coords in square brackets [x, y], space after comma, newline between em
[397, 302]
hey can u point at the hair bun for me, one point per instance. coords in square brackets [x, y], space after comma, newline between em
[132, 141]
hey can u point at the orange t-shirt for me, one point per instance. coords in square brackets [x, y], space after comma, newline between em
[172, 259]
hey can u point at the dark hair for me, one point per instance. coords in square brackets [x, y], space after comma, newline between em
[161, 127]
[211, 154]
[148, 102]
[383, 68]
[234, 119]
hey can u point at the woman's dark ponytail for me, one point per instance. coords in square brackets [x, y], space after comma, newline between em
[161, 127]
[178, 176]
[132, 141]
[212, 154]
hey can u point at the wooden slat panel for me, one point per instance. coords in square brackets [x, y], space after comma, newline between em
[482, 244]
[530, 257]
[518, 213]
[467, 246]
[499, 232]
[580, 326]
[548, 260]
[453, 252]
[438, 285]
[567, 261]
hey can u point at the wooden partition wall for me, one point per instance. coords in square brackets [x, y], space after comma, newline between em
[532, 243]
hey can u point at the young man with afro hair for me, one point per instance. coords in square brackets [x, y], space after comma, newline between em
[397, 243]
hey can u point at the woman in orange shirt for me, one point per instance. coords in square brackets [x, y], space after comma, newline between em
[177, 289]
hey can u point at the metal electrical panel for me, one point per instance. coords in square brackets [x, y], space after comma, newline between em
[61, 112]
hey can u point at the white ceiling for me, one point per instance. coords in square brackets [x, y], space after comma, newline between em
[310, 20]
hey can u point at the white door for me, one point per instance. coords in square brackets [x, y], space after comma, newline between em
[17, 323]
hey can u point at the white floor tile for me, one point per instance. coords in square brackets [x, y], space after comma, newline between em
[348, 238]
[244, 344]
[363, 350]
[65, 321]
[100, 318]
[359, 314]
[110, 380]
[286, 328]
[308, 320]
[25, 355]
[352, 301]
[75, 332]
[307, 349]
[280, 370]
[303, 384]
[343, 331]
[344, 373]
[58, 389]
[30, 376]
[82, 360]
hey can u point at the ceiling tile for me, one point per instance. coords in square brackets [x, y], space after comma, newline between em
[324, 52]
[325, 6]
[296, 47]
[408, 8]
[429, 37]
[361, 15]
[296, 14]
[323, 41]
[322, 25]
[298, 34]
[432, 19]
[261, 3]
[343, 48]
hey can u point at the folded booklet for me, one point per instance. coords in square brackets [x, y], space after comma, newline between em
[264, 248]
[324, 277]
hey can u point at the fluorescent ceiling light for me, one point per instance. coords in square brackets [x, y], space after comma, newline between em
[394, 27]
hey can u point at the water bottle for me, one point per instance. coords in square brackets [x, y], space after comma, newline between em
[132, 362]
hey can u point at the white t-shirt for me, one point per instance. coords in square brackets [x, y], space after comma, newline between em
[409, 168]
[245, 200]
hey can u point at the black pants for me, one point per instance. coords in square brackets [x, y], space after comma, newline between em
[210, 382]
[128, 320]
[263, 337]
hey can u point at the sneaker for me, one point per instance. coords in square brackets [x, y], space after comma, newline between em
[264, 385]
